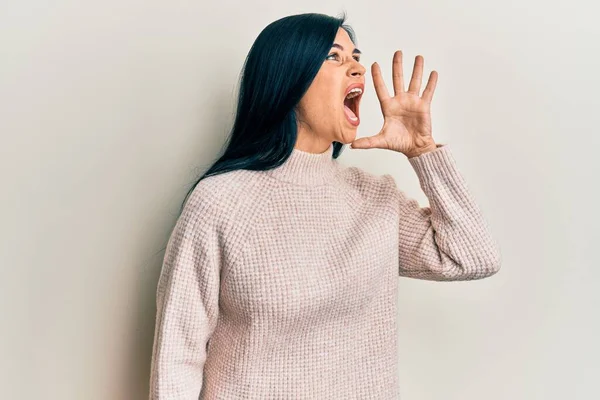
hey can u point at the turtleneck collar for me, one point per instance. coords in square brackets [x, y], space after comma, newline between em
[304, 168]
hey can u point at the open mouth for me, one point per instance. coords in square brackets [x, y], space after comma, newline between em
[351, 105]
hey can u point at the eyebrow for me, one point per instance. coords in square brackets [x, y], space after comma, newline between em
[357, 51]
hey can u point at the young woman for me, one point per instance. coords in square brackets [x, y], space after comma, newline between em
[280, 277]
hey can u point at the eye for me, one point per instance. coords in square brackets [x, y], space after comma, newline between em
[332, 54]
[357, 58]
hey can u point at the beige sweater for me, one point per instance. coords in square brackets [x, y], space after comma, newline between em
[282, 284]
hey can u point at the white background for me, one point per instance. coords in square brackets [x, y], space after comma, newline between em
[110, 109]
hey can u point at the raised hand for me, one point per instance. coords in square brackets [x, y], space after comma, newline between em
[407, 117]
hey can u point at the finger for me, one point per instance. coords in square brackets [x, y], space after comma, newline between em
[397, 76]
[370, 142]
[430, 88]
[415, 80]
[380, 89]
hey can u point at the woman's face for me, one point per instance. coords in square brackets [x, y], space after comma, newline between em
[322, 115]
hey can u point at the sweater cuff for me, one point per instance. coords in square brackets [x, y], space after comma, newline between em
[435, 164]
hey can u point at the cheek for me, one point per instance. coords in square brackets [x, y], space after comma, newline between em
[321, 107]
[321, 104]
[328, 102]
[329, 110]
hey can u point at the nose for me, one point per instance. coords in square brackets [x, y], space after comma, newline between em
[356, 70]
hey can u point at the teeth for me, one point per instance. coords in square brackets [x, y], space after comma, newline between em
[353, 93]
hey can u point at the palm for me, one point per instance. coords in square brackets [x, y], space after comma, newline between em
[407, 118]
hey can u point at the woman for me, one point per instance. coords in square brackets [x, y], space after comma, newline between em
[280, 277]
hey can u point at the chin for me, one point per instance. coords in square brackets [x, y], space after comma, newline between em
[348, 138]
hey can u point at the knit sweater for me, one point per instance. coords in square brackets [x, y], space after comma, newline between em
[283, 284]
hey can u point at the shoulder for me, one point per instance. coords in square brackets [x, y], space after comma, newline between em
[367, 184]
[216, 189]
[226, 199]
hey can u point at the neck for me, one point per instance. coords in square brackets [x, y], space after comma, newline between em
[306, 168]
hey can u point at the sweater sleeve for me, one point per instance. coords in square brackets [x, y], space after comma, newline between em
[187, 309]
[448, 240]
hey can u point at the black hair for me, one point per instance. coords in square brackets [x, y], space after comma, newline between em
[279, 68]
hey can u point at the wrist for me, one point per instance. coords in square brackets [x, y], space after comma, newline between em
[422, 150]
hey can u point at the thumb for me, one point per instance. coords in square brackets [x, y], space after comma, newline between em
[370, 142]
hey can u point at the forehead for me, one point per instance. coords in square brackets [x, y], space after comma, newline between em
[343, 42]
[343, 38]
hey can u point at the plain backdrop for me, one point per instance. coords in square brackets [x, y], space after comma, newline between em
[110, 109]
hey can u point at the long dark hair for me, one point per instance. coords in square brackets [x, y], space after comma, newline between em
[278, 70]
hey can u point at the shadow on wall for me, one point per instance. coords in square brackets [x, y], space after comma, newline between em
[136, 384]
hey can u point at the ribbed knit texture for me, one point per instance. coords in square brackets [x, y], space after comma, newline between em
[282, 284]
